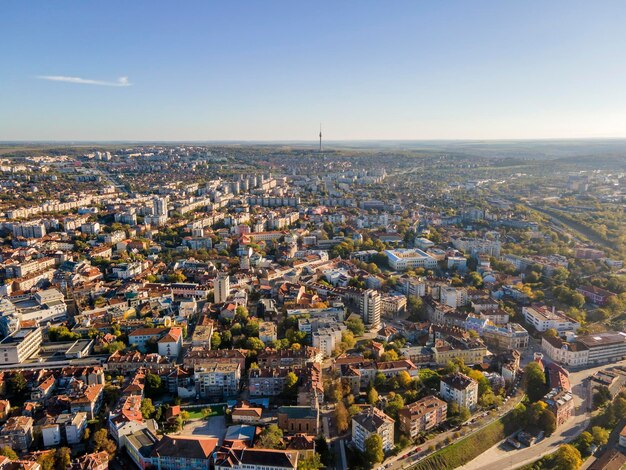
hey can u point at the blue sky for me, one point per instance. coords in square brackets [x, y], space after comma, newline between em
[272, 70]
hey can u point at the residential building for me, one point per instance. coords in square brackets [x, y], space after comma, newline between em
[370, 307]
[372, 421]
[424, 414]
[221, 286]
[218, 379]
[17, 433]
[595, 295]
[460, 389]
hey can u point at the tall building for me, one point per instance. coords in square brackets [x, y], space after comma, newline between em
[372, 421]
[371, 306]
[160, 206]
[222, 288]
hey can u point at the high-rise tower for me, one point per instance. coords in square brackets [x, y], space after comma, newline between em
[320, 137]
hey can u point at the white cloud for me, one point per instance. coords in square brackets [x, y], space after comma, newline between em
[120, 82]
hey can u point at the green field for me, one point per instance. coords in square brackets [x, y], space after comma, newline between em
[467, 449]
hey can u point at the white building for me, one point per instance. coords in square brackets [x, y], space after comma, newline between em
[453, 296]
[543, 318]
[369, 422]
[403, 259]
[460, 389]
[370, 307]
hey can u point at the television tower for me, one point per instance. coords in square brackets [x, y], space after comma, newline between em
[320, 137]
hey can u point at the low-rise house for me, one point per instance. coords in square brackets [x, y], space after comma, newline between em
[245, 414]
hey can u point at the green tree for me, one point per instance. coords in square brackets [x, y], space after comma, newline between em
[147, 408]
[374, 450]
[255, 344]
[535, 381]
[63, 457]
[154, 385]
[464, 414]
[322, 448]
[372, 396]
[567, 458]
[8, 452]
[291, 382]
[600, 435]
[585, 440]
[356, 326]
[216, 340]
[547, 422]
[271, 437]
[394, 403]
[17, 384]
[313, 462]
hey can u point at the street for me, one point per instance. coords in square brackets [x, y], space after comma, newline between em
[498, 457]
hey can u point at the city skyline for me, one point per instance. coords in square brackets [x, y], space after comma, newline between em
[272, 72]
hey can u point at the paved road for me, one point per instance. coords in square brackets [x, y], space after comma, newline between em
[498, 457]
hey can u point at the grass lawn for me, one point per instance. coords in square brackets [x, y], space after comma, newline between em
[196, 413]
[467, 449]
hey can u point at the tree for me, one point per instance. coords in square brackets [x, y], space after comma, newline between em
[394, 403]
[147, 408]
[313, 462]
[63, 458]
[184, 416]
[551, 333]
[216, 340]
[154, 385]
[321, 447]
[404, 379]
[255, 344]
[291, 382]
[46, 460]
[372, 396]
[567, 458]
[535, 381]
[585, 440]
[342, 418]
[374, 449]
[600, 435]
[380, 379]
[101, 441]
[206, 412]
[356, 326]
[547, 422]
[601, 396]
[8, 452]
[271, 437]
[464, 414]
[17, 384]
[390, 355]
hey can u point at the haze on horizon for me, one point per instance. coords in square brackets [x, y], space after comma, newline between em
[271, 71]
